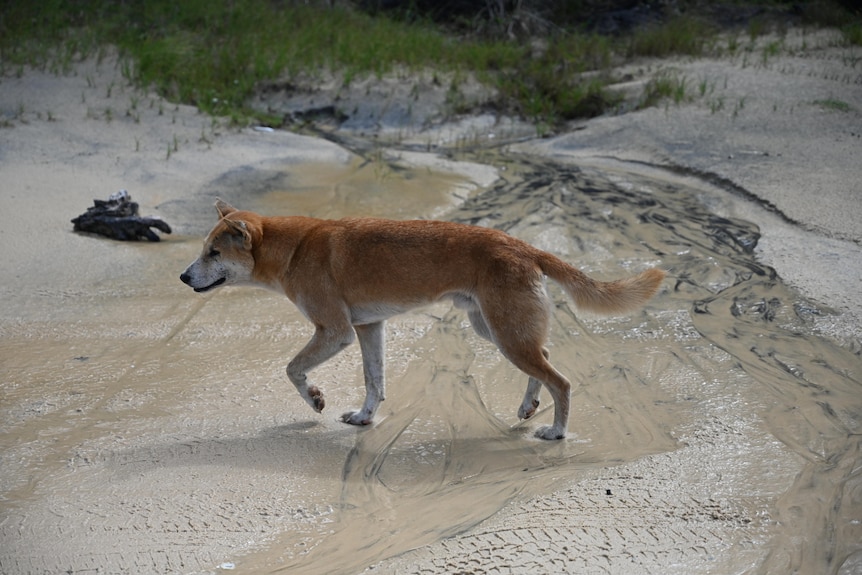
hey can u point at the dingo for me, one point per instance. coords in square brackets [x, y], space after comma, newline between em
[348, 276]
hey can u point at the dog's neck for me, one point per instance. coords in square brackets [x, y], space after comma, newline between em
[273, 258]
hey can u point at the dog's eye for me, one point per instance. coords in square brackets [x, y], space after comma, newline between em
[214, 253]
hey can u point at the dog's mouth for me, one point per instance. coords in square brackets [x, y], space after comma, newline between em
[216, 283]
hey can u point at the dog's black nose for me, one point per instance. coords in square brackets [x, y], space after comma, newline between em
[185, 278]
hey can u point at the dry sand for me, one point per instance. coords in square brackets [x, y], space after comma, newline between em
[149, 430]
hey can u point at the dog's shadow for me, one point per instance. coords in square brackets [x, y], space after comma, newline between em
[308, 447]
[314, 448]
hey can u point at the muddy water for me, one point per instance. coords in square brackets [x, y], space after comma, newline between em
[146, 429]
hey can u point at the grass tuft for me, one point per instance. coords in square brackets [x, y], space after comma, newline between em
[682, 35]
[852, 33]
[665, 86]
[833, 105]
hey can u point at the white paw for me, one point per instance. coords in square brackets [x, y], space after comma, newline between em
[356, 418]
[550, 432]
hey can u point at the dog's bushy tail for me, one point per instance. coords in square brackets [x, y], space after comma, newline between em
[602, 297]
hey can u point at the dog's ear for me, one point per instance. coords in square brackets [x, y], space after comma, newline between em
[240, 229]
[223, 208]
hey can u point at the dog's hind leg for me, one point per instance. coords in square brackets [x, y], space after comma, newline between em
[531, 360]
[519, 326]
[325, 343]
[371, 341]
[534, 386]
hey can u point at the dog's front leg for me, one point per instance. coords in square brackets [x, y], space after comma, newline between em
[325, 343]
[371, 343]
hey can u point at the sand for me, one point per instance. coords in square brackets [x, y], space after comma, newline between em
[149, 430]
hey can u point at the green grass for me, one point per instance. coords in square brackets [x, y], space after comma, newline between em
[666, 86]
[563, 82]
[833, 105]
[853, 33]
[214, 54]
[215, 60]
[682, 35]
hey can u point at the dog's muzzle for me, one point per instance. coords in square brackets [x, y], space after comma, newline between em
[187, 279]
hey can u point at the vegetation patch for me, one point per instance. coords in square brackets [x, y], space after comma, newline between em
[546, 61]
[833, 105]
[684, 35]
[666, 86]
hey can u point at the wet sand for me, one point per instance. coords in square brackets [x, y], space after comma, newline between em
[147, 429]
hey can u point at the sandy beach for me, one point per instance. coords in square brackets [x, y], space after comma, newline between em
[147, 429]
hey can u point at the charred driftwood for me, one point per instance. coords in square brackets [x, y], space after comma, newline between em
[117, 218]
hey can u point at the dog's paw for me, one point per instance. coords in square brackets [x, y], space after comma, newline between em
[316, 398]
[526, 412]
[356, 418]
[550, 433]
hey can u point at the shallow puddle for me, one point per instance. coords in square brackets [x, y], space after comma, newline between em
[718, 430]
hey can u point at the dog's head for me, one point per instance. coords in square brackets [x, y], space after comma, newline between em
[227, 257]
